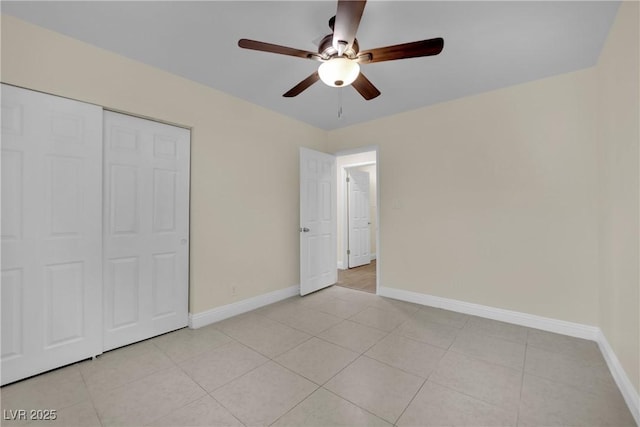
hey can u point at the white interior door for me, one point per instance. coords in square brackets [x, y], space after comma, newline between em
[359, 221]
[51, 232]
[146, 228]
[318, 223]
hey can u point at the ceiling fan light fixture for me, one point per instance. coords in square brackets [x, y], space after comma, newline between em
[339, 72]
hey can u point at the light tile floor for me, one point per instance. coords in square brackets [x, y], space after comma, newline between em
[338, 357]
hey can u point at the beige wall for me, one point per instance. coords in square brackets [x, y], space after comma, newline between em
[491, 199]
[619, 120]
[244, 158]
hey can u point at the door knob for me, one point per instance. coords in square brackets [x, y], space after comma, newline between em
[304, 230]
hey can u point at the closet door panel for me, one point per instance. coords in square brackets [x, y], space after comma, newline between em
[146, 228]
[51, 232]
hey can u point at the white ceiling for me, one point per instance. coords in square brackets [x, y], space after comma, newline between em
[487, 45]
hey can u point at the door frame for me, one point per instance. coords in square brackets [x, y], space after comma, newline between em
[344, 211]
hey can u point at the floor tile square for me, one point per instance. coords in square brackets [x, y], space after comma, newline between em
[304, 319]
[52, 390]
[429, 332]
[576, 348]
[313, 300]
[145, 400]
[438, 406]
[396, 306]
[281, 309]
[317, 360]
[186, 343]
[264, 335]
[494, 350]
[549, 403]
[204, 412]
[353, 336]
[445, 317]
[592, 377]
[340, 308]
[221, 365]
[380, 319]
[494, 328]
[409, 355]
[494, 384]
[123, 365]
[324, 409]
[358, 297]
[379, 388]
[264, 394]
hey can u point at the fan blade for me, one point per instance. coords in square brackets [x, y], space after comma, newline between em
[365, 87]
[401, 51]
[347, 21]
[303, 85]
[274, 48]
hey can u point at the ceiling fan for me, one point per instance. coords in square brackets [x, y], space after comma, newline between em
[340, 53]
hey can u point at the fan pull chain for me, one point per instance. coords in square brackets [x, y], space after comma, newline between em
[339, 103]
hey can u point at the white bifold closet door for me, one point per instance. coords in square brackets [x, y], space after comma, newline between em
[95, 228]
[146, 228]
[51, 288]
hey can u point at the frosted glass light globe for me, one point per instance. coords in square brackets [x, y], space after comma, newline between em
[338, 72]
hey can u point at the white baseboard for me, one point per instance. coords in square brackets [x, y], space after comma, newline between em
[593, 333]
[372, 256]
[340, 265]
[629, 393]
[217, 314]
[532, 321]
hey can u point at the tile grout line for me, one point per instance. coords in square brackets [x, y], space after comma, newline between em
[206, 393]
[464, 392]
[419, 389]
[226, 409]
[354, 404]
[93, 404]
[395, 423]
[524, 365]
[295, 406]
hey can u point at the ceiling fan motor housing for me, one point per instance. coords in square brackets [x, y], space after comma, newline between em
[327, 51]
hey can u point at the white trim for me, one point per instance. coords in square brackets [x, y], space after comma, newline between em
[532, 321]
[372, 256]
[341, 265]
[593, 333]
[629, 393]
[217, 314]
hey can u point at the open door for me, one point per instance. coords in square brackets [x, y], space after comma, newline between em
[359, 221]
[318, 224]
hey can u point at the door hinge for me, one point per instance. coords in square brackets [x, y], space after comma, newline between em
[348, 252]
[348, 179]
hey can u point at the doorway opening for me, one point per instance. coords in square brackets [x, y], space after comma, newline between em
[358, 249]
